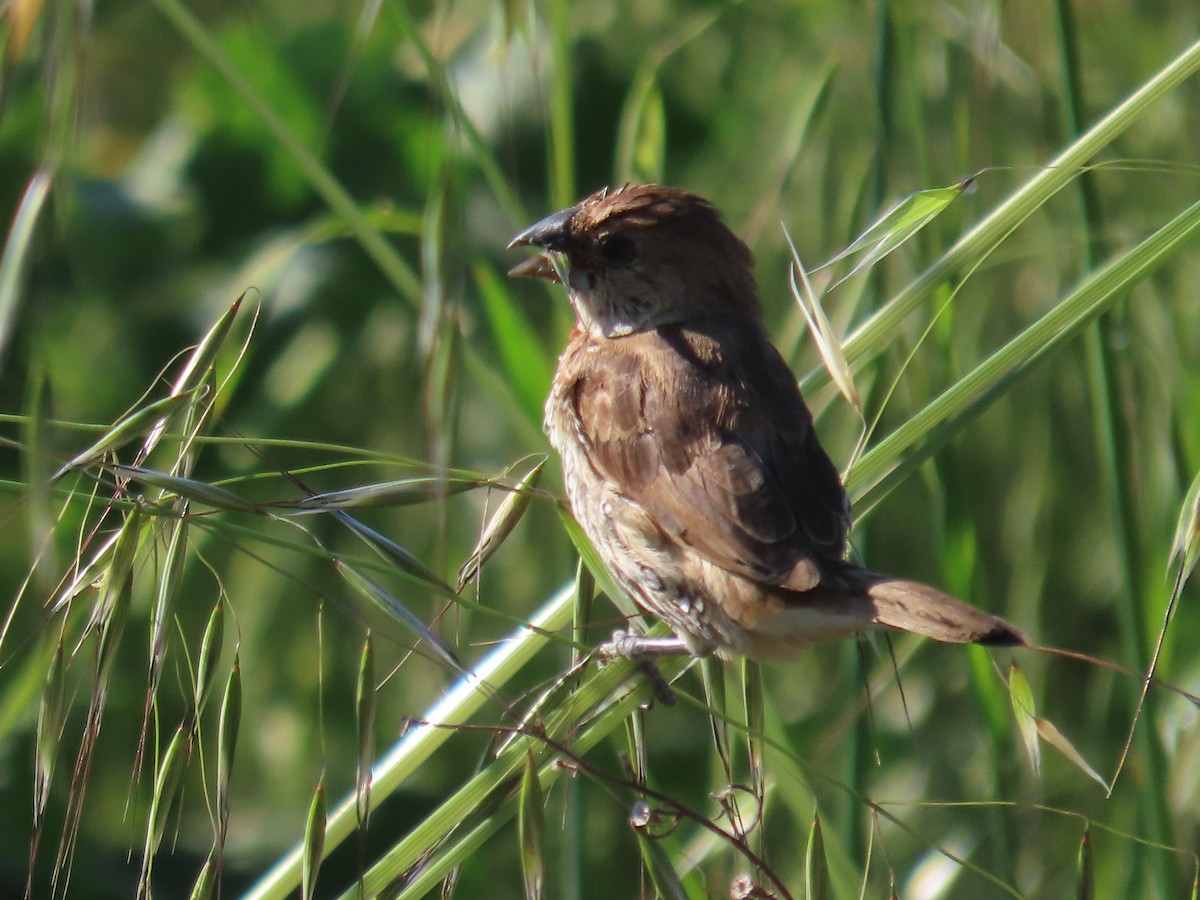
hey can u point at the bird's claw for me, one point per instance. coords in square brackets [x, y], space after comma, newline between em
[622, 645]
[641, 652]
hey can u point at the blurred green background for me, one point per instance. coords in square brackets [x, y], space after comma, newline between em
[198, 152]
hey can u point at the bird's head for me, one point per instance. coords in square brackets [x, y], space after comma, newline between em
[641, 257]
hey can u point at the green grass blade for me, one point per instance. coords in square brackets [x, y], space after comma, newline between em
[1185, 544]
[562, 109]
[1026, 716]
[228, 725]
[391, 263]
[816, 867]
[210, 653]
[52, 712]
[422, 741]
[16, 252]
[1086, 885]
[897, 454]
[528, 365]
[378, 598]
[314, 842]
[531, 826]
[365, 704]
[881, 328]
[508, 514]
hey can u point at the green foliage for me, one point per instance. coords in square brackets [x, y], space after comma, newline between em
[264, 245]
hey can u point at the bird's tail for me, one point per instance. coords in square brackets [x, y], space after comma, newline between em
[921, 609]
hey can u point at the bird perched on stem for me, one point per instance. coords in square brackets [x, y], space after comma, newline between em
[689, 456]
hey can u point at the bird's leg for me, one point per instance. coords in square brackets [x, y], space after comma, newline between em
[642, 651]
[632, 646]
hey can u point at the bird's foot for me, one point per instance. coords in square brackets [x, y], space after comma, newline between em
[637, 648]
[642, 651]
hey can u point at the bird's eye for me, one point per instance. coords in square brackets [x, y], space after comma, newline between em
[616, 250]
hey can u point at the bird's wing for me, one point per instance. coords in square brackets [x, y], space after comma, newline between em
[707, 431]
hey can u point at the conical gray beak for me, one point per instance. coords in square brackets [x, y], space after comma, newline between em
[551, 232]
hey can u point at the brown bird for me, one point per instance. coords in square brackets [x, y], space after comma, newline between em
[689, 456]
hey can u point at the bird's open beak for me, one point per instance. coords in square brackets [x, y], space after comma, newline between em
[552, 234]
[538, 266]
